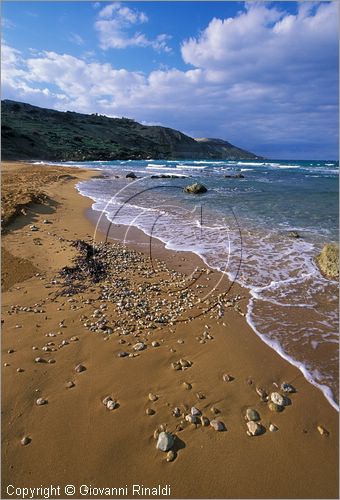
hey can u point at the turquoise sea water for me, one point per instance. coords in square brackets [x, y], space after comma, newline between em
[293, 308]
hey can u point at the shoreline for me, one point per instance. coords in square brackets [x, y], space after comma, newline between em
[140, 239]
[307, 458]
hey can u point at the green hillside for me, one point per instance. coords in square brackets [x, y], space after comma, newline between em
[33, 133]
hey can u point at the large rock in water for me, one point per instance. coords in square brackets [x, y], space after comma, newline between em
[328, 260]
[195, 188]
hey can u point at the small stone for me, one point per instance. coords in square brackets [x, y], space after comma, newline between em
[200, 395]
[273, 428]
[139, 346]
[20, 370]
[152, 397]
[106, 400]
[51, 361]
[254, 429]
[195, 411]
[6, 364]
[228, 378]
[187, 386]
[176, 366]
[39, 360]
[277, 399]
[273, 407]
[261, 392]
[165, 441]
[252, 415]
[122, 354]
[74, 339]
[69, 384]
[180, 341]
[214, 410]
[150, 411]
[192, 419]
[185, 363]
[25, 440]
[217, 425]
[111, 405]
[34, 348]
[323, 431]
[41, 401]
[285, 387]
[10, 351]
[176, 412]
[79, 368]
[205, 421]
[155, 343]
[170, 456]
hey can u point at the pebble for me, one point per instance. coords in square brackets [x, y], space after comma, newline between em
[192, 419]
[79, 368]
[273, 428]
[25, 440]
[139, 346]
[69, 384]
[6, 364]
[273, 407]
[285, 387]
[165, 441]
[184, 363]
[205, 421]
[20, 370]
[152, 397]
[195, 412]
[34, 348]
[150, 411]
[111, 405]
[180, 341]
[122, 354]
[106, 400]
[176, 412]
[200, 395]
[261, 392]
[323, 431]
[41, 401]
[51, 361]
[39, 360]
[155, 343]
[170, 456]
[252, 415]
[277, 399]
[217, 425]
[228, 378]
[176, 366]
[254, 429]
[214, 410]
[187, 386]
[10, 351]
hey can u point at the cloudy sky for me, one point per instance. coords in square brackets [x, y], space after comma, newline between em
[262, 75]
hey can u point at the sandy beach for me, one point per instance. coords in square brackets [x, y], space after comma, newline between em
[73, 439]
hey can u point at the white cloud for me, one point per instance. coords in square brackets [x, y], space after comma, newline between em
[114, 25]
[264, 80]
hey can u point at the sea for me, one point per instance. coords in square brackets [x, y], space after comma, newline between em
[246, 227]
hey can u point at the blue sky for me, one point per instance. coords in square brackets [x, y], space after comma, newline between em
[262, 75]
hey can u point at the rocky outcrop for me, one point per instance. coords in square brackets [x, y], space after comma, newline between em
[195, 188]
[235, 176]
[328, 260]
[131, 175]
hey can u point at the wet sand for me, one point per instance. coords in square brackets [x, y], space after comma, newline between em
[74, 439]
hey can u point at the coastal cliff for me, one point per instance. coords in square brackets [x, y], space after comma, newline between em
[33, 133]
